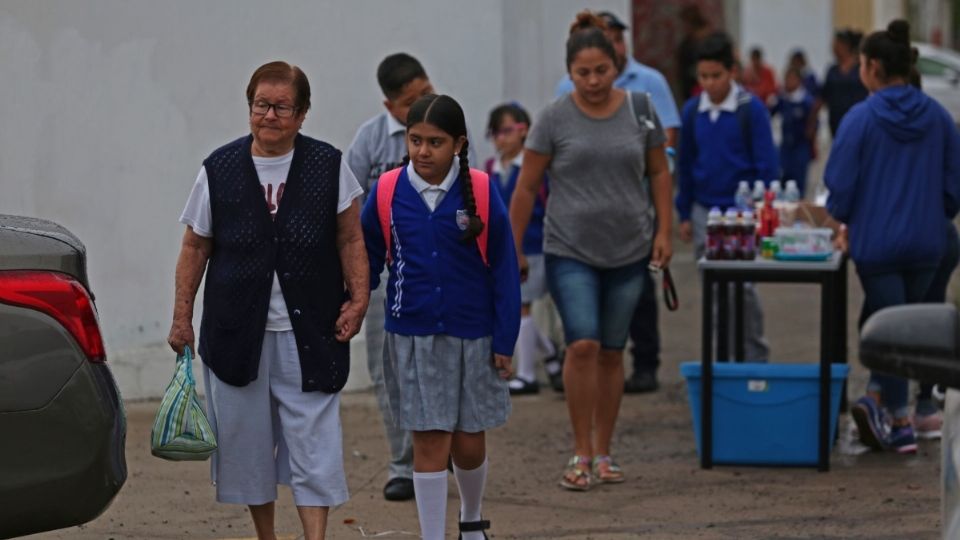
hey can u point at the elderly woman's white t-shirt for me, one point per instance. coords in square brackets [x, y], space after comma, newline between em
[273, 175]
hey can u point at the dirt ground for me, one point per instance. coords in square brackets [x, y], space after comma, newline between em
[667, 495]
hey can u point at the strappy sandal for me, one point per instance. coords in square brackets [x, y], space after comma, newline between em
[577, 475]
[473, 526]
[606, 470]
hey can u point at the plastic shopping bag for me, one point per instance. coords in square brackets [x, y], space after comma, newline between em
[181, 431]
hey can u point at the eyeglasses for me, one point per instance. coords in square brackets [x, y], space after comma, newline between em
[504, 131]
[261, 108]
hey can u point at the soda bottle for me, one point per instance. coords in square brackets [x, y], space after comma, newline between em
[792, 193]
[748, 240]
[769, 217]
[715, 233]
[759, 190]
[731, 240]
[743, 200]
[777, 188]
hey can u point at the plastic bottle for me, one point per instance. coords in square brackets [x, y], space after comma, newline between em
[748, 240]
[792, 192]
[777, 188]
[759, 190]
[734, 232]
[743, 198]
[769, 217]
[715, 233]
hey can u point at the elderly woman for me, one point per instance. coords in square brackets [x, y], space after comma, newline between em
[273, 218]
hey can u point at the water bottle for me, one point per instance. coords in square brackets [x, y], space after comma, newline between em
[715, 234]
[792, 193]
[748, 240]
[759, 190]
[743, 199]
[732, 238]
[777, 188]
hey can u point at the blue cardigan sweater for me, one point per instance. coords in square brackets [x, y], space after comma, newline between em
[533, 238]
[439, 284]
[710, 174]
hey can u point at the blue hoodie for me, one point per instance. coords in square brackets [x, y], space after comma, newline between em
[893, 175]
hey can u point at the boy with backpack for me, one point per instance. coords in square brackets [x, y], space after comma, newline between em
[726, 139]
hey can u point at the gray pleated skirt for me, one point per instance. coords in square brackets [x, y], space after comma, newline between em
[443, 383]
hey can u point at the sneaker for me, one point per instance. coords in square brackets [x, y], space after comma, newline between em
[520, 387]
[641, 382]
[902, 440]
[928, 426]
[554, 368]
[871, 426]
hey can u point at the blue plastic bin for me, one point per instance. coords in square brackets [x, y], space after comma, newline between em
[764, 414]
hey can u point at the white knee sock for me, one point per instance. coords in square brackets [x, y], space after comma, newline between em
[547, 349]
[527, 349]
[431, 490]
[471, 484]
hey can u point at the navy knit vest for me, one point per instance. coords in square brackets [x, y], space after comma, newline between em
[300, 245]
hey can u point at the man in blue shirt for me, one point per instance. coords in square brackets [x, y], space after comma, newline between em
[727, 139]
[637, 77]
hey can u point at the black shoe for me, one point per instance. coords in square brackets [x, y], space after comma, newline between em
[520, 387]
[398, 489]
[474, 526]
[641, 382]
[554, 368]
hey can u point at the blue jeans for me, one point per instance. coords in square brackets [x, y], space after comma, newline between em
[886, 290]
[594, 303]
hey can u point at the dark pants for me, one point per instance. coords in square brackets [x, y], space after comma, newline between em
[643, 329]
[938, 289]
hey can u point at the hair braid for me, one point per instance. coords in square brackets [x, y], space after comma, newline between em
[475, 225]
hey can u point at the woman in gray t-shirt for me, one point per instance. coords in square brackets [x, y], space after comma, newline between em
[597, 144]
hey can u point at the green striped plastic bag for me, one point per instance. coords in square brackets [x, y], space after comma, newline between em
[181, 431]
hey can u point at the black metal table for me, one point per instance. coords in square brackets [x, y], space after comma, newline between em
[831, 275]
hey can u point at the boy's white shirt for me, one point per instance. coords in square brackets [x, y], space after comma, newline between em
[729, 103]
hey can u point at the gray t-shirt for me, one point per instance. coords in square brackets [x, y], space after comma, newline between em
[599, 210]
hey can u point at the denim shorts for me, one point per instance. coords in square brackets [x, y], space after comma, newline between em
[595, 304]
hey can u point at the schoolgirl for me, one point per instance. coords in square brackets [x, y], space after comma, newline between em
[452, 308]
[507, 128]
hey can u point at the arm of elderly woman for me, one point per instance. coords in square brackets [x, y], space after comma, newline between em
[661, 185]
[524, 197]
[356, 271]
[194, 253]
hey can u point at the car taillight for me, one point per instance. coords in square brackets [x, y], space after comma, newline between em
[61, 297]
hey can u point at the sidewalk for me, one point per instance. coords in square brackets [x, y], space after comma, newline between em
[667, 495]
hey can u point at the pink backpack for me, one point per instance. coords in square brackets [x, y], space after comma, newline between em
[481, 192]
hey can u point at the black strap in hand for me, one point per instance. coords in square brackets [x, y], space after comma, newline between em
[669, 291]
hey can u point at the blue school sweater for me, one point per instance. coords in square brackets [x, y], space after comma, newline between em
[794, 116]
[893, 175]
[709, 175]
[533, 238]
[439, 284]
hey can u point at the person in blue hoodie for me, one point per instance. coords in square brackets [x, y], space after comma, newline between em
[508, 127]
[894, 176]
[453, 309]
[726, 138]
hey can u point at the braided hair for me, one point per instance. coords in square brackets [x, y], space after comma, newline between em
[445, 113]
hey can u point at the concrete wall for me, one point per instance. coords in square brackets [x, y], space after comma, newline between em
[111, 105]
[780, 26]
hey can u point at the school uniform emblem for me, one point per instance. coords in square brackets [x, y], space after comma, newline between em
[463, 220]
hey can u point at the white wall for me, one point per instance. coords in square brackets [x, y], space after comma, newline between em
[111, 105]
[780, 26]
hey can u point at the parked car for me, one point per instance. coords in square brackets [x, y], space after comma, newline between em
[940, 72]
[922, 342]
[62, 424]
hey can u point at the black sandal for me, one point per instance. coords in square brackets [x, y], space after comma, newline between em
[473, 526]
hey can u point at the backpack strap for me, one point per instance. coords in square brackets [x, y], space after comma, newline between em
[481, 193]
[387, 185]
[743, 118]
[385, 188]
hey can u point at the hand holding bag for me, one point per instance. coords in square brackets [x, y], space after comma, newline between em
[181, 431]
